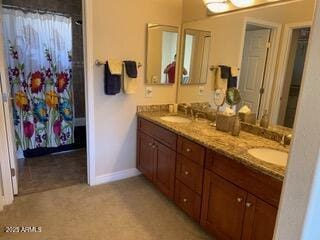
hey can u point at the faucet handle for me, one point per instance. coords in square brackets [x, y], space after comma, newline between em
[283, 140]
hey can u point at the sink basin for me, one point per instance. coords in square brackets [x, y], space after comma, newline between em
[175, 119]
[270, 155]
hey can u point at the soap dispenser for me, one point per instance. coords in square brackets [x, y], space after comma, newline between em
[236, 127]
[264, 122]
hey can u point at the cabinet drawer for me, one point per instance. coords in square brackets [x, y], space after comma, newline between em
[164, 136]
[257, 183]
[189, 173]
[188, 200]
[192, 150]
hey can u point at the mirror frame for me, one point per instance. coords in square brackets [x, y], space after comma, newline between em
[181, 60]
[178, 29]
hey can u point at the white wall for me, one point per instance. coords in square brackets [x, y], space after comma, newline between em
[119, 31]
[299, 210]
[227, 33]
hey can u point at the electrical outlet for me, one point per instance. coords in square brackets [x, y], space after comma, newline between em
[148, 92]
[201, 90]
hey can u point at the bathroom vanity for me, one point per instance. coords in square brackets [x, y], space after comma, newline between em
[210, 175]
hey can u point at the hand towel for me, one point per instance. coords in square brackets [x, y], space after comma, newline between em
[130, 74]
[131, 69]
[219, 82]
[112, 83]
[233, 80]
[235, 71]
[115, 66]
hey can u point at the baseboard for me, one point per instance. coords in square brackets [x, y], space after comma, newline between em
[116, 176]
[7, 200]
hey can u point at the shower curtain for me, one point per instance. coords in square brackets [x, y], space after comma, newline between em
[38, 48]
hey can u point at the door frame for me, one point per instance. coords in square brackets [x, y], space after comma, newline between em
[282, 66]
[89, 91]
[272, 55]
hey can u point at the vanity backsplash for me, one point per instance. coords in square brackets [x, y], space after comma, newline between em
[275, 133]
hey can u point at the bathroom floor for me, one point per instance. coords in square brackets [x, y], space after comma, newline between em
[52, 171]
[130, 209]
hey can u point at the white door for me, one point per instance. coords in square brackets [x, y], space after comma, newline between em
[253, 67]
[8, 116]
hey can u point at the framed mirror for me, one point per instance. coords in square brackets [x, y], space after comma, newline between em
[195, 58]
[162, 47]
[260, 52]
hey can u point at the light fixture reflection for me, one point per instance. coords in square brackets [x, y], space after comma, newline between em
[217, 6]
[242, 3]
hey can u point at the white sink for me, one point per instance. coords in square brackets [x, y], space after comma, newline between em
[270, 155]
[175, 119]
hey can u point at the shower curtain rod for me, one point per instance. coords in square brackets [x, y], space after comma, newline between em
[27, 9]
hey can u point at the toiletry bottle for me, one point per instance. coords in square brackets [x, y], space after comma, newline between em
[236, 127]
[264, 122]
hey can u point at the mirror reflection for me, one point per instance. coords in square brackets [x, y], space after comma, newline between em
[260, 52]
[161, 54]
[195, 56]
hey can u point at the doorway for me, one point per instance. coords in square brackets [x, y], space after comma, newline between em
[43, 47]
[293, 75]
[260, 44]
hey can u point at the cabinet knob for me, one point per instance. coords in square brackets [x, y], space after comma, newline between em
[186, 173]
[188, 150]
[150, 144]
[239, 199]
[248, 204]
[153, 146]
[185, 200]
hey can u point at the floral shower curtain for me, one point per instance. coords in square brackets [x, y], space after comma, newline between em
[39, 63]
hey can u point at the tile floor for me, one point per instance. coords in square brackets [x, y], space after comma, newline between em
[52, 171]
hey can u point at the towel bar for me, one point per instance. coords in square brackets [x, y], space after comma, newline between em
[216, 67]
[100, 63]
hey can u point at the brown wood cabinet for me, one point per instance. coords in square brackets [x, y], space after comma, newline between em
[146, 155]
[229, 212]
[223, 207]
[230, 200]
[164, 169]
[155, 160]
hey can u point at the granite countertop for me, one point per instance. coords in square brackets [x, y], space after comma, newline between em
[221, 142]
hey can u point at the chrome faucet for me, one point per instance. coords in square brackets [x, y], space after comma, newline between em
[200, 114]
[186, 107]
[283, 139]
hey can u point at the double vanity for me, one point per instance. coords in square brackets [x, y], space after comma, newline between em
[219, 180]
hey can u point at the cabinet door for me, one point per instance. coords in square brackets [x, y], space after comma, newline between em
[164, 171]
[146, 155]
[223, 207]
[260, 219]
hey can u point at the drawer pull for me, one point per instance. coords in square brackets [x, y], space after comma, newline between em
[185, 200]
[186, 173]
[188, 150]
[150, 144]
[153, 146]
[239, 199]
[248, 204]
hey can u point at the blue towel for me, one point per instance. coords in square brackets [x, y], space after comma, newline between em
[112, 83]
[226, 74]
[131, 69]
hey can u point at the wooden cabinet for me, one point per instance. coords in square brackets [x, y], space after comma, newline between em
[189, 173]
[229, 212]
[164, 169]
[188, 200]
[146, 155]
[260, 219]
[230, 200]
[223, 207]
[155, 160]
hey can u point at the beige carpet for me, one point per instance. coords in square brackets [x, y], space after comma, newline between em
[128, 209]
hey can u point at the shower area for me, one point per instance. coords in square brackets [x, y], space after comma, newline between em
[43, 43]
